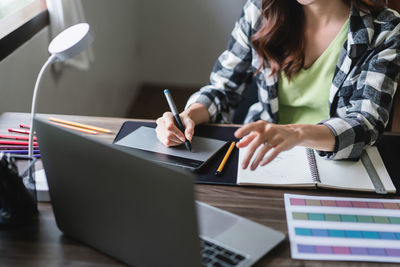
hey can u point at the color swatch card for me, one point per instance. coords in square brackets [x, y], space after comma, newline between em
[348, 229]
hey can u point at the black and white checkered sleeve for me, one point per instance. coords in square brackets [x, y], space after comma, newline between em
[364, 107]
[232, 69]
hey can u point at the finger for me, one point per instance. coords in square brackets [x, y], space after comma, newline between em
[245, 141]
[170, 143]
[170, 126]
[260, 155]
[159, 130]
[250, 152]
[189, 128]
[166, 137]
[172, 140]
[245, 130]
[168, 116]
[159, 121]
[274, 153]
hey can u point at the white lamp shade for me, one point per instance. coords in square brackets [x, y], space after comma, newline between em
[71, 42]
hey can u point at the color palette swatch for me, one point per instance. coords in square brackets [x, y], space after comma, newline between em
[394, 252]
[345, 218]
[344, 203]
[347, 233]
[349, 229]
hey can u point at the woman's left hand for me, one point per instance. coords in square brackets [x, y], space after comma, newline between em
[270, 136]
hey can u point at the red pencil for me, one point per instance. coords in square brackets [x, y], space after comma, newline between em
[25, 126]
[16, 137]
[18, 131]
[17, 143]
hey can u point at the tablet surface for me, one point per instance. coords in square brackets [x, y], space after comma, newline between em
[145, 138]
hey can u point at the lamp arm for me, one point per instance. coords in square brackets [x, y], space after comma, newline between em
[49, 61]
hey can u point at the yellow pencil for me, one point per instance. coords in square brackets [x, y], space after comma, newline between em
[75, 128]
[81, 125]
[225, 159]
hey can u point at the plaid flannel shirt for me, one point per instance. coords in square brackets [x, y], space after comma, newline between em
[362, 89]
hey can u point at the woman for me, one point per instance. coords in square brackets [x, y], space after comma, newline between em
[326, 72]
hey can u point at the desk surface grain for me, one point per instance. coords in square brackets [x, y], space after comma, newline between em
[42, 244]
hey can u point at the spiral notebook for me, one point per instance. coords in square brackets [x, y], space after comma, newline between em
[301, 167]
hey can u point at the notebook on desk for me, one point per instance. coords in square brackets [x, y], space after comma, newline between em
[300, 167]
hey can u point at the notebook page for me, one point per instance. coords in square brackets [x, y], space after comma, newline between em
[344, 174]
[289, 168]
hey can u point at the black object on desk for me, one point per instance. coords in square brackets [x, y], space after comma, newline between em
[205, 175]
[388, 146]
[18, 203]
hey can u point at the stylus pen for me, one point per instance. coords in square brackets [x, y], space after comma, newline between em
[225, 159]
[174, 111]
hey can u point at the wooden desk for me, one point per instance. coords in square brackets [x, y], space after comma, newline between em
[44, 245]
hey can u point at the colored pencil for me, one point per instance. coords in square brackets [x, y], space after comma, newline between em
[225, 159]
[75, 128]
[16, 137]
[81, 125]
[24, 126]
[19, 151]
[16, 143]
[16, 147]
[18, 131]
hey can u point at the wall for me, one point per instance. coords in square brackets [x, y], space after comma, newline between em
[181, 40]
[108, 87]
[105, 89]
[159, 41]
[18, 73]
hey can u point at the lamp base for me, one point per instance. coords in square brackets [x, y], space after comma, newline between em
[18, 205]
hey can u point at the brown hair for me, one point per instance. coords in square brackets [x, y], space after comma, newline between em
[280, 41]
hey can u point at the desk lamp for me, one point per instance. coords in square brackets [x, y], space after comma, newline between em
[69, 43]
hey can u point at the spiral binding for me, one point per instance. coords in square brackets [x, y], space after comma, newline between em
[312, 162]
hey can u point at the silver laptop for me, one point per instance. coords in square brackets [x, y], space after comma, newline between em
[140, 212]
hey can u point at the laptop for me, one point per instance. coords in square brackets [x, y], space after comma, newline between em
[138, 211]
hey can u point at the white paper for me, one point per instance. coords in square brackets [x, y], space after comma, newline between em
[288, 168]
[344, 174]
[42, 189]
[353, 174]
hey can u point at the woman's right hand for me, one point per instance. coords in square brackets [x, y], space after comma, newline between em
[168, 132]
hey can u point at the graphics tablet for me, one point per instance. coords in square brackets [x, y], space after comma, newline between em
[145, 138]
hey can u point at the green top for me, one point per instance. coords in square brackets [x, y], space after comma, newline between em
[305, 99]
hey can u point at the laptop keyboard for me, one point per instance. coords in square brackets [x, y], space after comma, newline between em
[214, 255]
